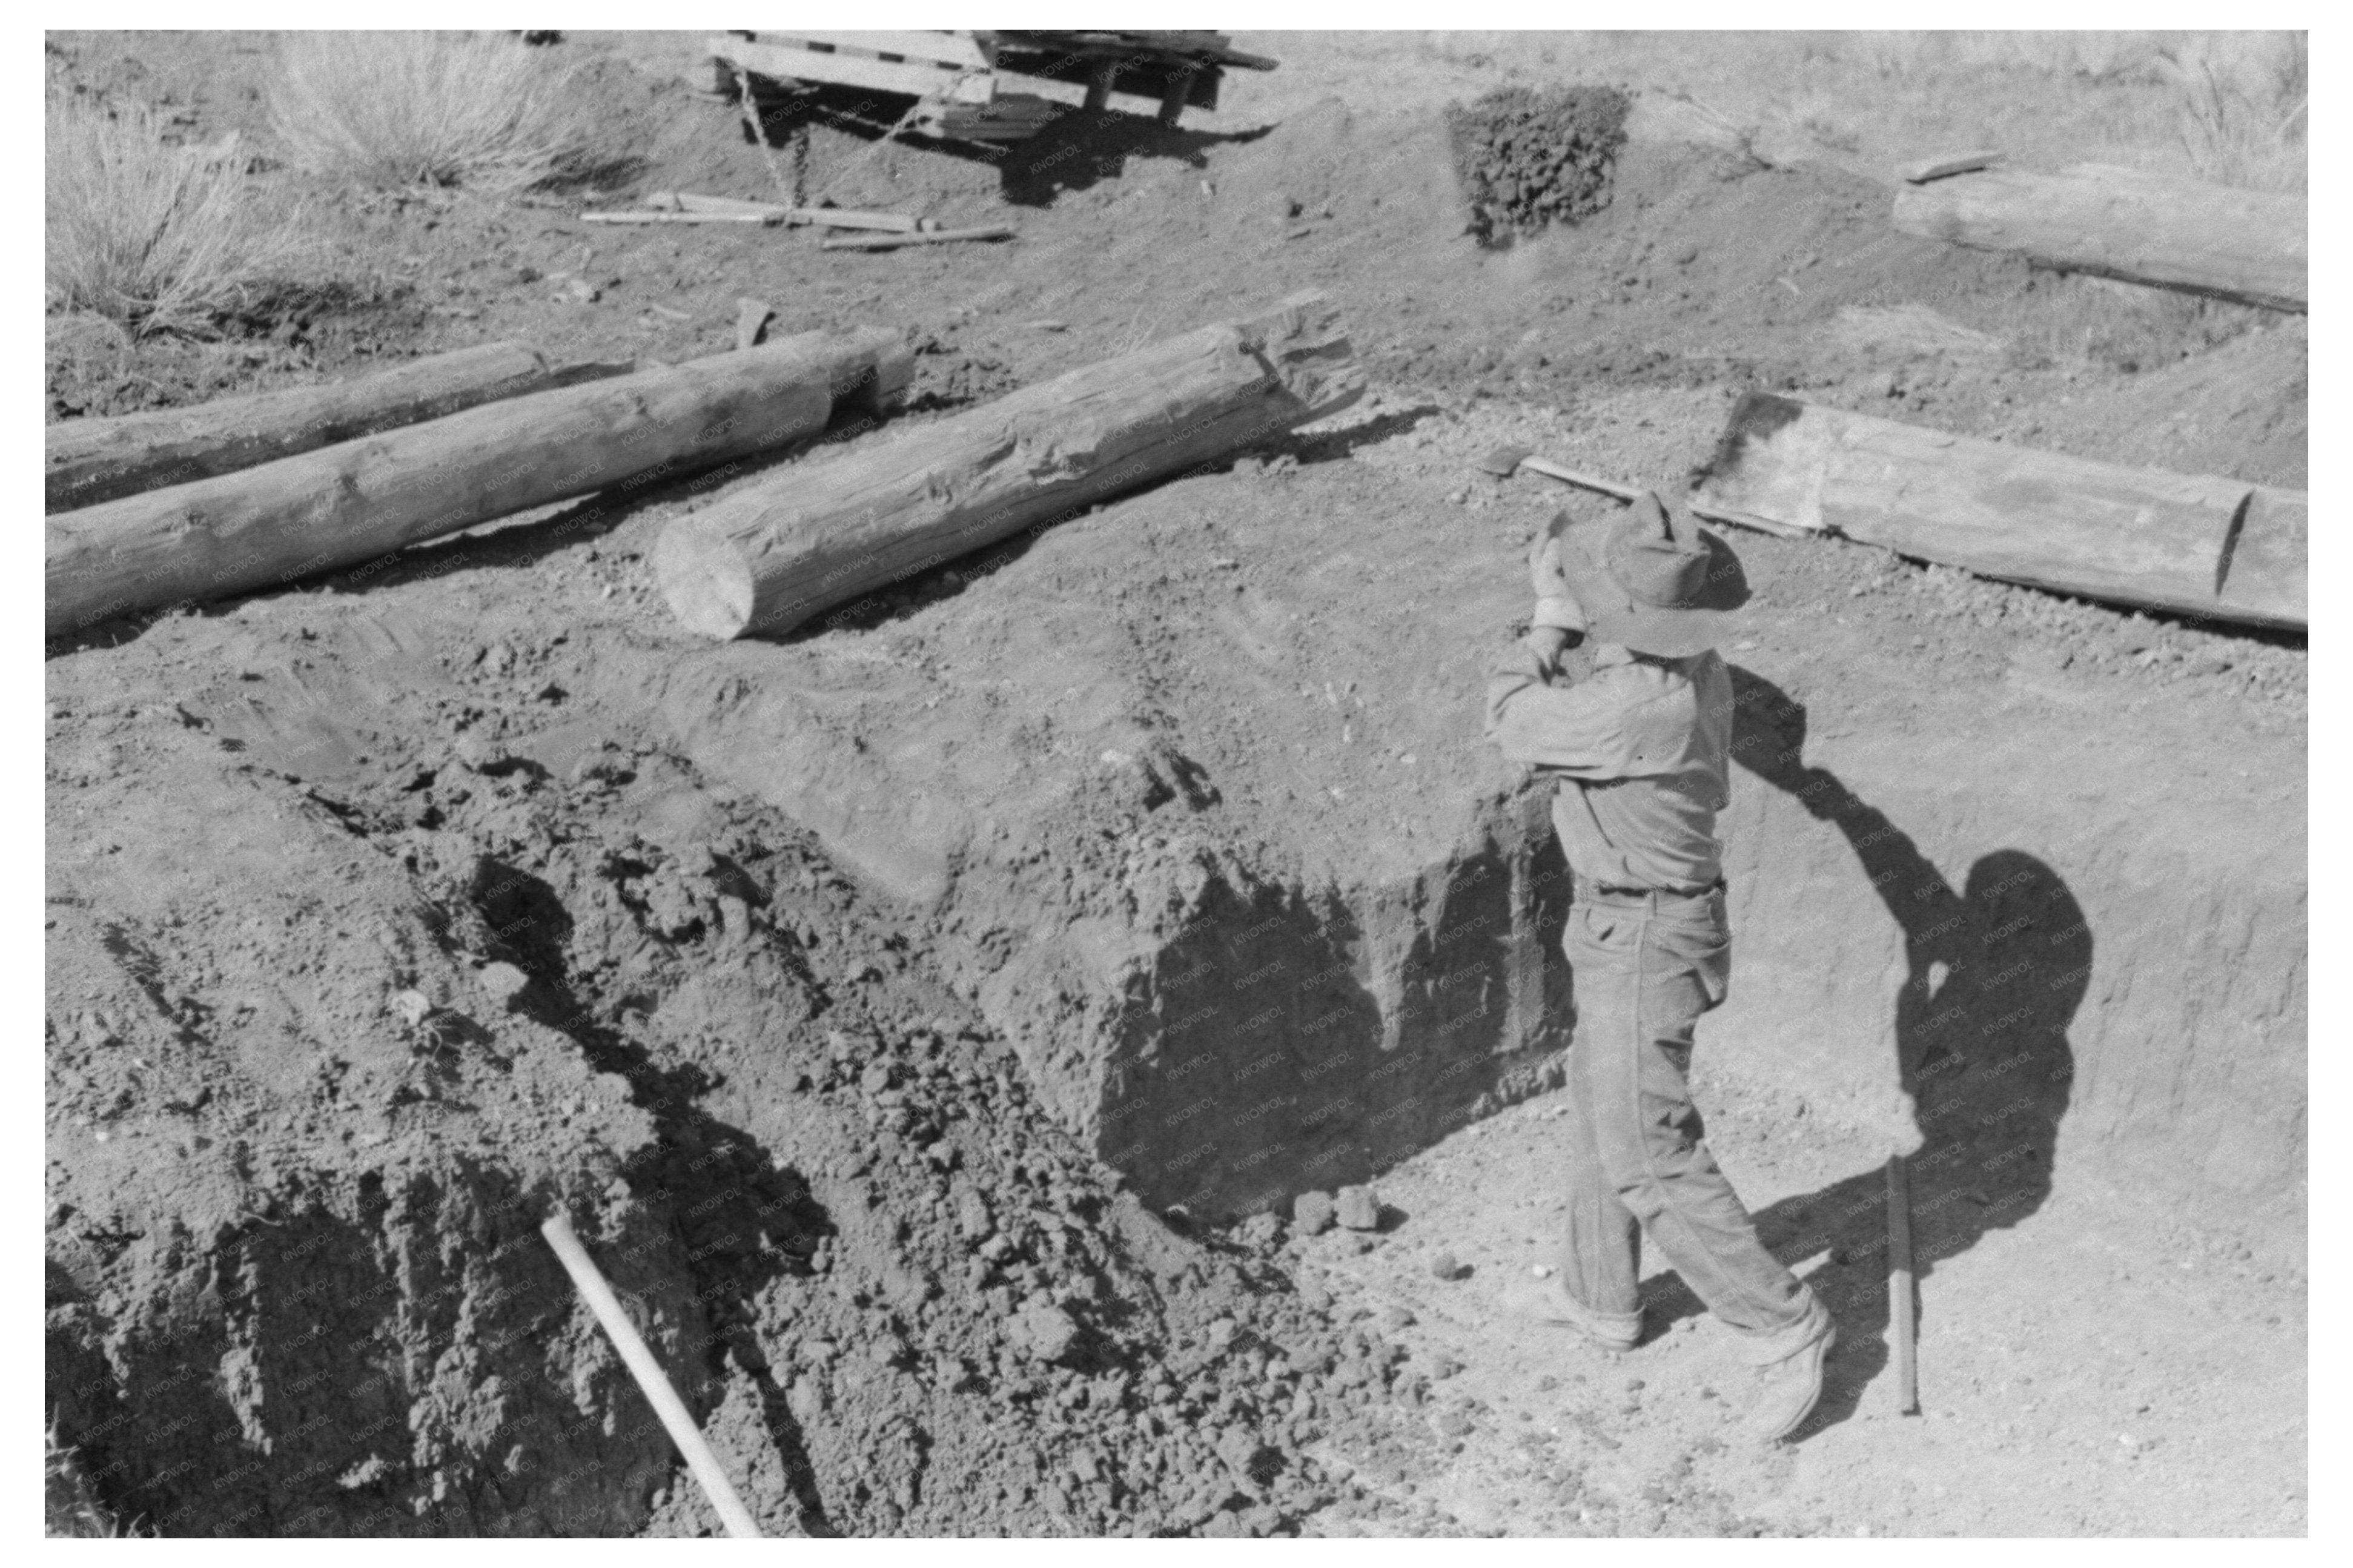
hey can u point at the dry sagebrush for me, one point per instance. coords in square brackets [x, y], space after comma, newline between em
[2243, 109]
[153, 236]
[393, 110]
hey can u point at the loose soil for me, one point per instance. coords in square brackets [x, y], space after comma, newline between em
[890, 1005]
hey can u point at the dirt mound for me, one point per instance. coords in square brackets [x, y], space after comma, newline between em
[1528, 159]
[298, 1154]
[409, 958]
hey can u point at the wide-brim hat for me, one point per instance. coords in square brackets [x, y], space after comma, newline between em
[1654, 581]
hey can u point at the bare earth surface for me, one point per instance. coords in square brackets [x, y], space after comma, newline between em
[838, 985]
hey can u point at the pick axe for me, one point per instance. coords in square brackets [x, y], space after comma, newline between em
[1505, 461]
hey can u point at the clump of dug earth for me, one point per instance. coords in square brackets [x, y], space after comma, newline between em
[1530, 159]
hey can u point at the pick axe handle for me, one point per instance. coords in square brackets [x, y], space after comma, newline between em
[1900, 1326]
[651, 1378]
[1585, 482]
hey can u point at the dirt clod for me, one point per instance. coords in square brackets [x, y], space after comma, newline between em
[1529, 158]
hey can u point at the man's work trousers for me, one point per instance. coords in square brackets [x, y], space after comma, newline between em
[1645, 970]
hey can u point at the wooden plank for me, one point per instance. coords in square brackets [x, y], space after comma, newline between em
[1211, 48]
[752, 319]
[1099, 86]
[958, 52]
[695, 202]
[87, 461]
[360, 501]
[1173, 95]
[934, 236]
[852, 217]
[765, 560]
[784, 62]
[2263, 571]
[823, 217]
[1136, 71]
[657, 216]
[2213, 240]
[2134, 536]
[1937, 168]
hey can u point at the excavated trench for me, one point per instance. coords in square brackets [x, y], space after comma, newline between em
[343, 1037]
[1185, 863]
[1179, 864]
[1126, 816]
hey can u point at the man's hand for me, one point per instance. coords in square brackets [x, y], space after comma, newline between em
[1545, 643]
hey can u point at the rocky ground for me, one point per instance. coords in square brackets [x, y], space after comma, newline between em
[386, 913]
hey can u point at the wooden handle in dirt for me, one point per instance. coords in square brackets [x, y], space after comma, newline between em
[651, 1378]
[1901, 1325]
[1625, 492]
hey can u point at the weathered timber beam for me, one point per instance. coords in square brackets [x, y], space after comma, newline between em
[2195, 544]
[766, 560]
[786, 61]
[360, 501]
[936, 236]
[86, 461]
[2214, 240]
[1945, 164]
[2263, 566]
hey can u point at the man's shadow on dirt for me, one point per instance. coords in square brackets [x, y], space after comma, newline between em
[1994, 973]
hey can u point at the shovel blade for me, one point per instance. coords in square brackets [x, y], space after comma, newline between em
[1504, 461]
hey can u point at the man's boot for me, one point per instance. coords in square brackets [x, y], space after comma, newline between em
[1549, 1301]
[1791, 1364]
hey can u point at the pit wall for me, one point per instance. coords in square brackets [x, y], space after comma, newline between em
[397, 1354]
[1241, 1036]
[2018, 985]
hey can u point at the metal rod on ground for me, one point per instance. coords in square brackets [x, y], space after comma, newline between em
[1901, 1325]
[649, 1374]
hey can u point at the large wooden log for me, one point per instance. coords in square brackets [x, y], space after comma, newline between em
[90, 461]
[2133, 536]
[361, 499]
[765, 560]
[2216, 240]
[2264, 568]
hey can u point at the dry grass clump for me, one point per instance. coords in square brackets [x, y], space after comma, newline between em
[153, 236]
[393, 110]
[2244, 109]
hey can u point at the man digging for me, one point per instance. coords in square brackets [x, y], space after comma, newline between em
[1641, 749]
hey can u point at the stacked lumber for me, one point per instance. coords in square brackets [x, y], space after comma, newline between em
[2194, 544]
[957, 77]
[86, 461]
[948, 66]
[766, 559]
[2214, 240]
[1177, 69]
[359, 500]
